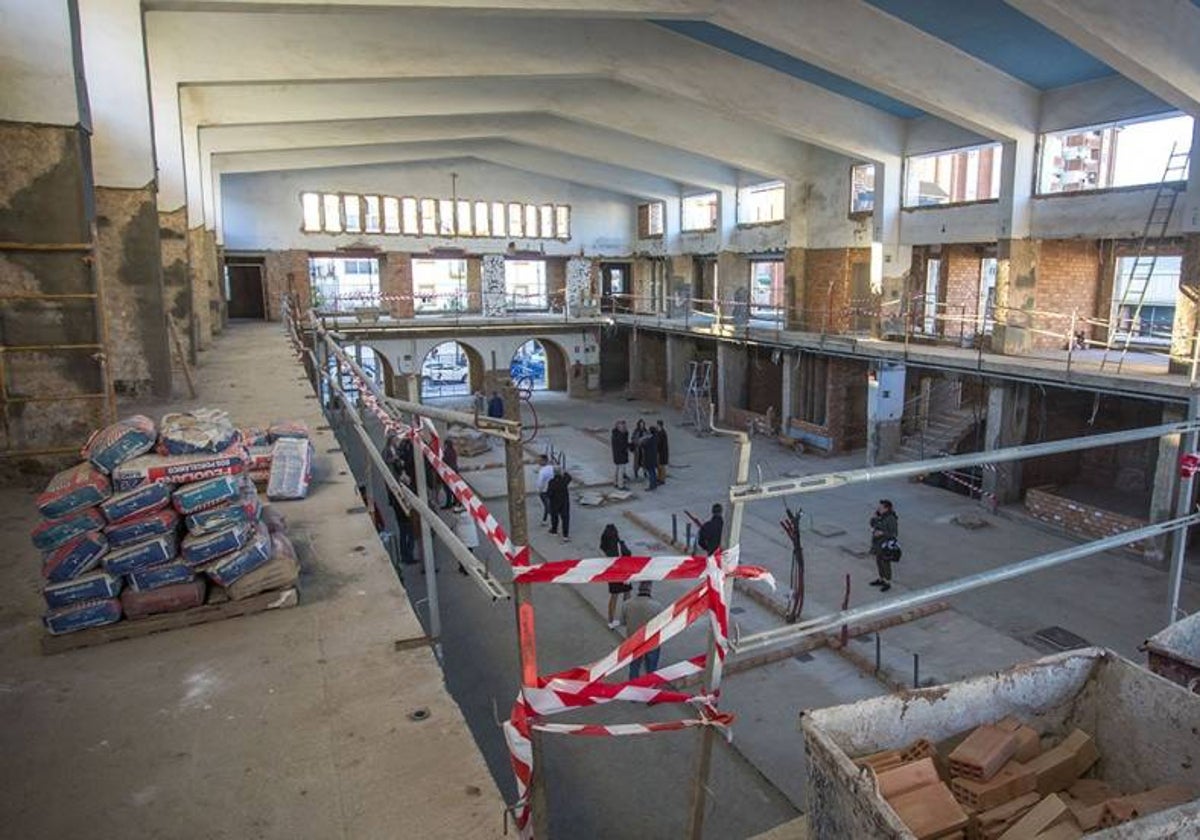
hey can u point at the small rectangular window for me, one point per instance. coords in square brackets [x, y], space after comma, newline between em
[463, 223]
[428, 217]
[481, 219]
[650, 219]
[562, 221]
[516, 226]
[862, 188]
[499, 223]
[1125, 154]
[700, 212]
[410, 217]
[353, 208]
[332, 220]
[312, 211]
[445, 217]
[546, 220]
[531, 221]
[953, 177]
[761, 203]
[371, 213]
[391, 214]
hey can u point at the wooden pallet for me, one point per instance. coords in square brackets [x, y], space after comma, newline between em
[134, 628]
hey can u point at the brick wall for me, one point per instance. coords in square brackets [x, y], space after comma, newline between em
[828, 295]
[1068, 276]
[846, 404]
[277, 266]
[396, 281]
[556, 282]
[794, 280]
[1078, 518]
[961, 267]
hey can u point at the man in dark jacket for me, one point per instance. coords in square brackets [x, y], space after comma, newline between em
[620, 455]
[560, 503]
[650, 458]
[495, 405]
[885, 528]
[399, 455]
[664, 452]
[450, 457]
[709, 538]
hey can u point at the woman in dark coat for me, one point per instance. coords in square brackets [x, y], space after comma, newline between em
[635, 442]
[560, 503]
[613, 546]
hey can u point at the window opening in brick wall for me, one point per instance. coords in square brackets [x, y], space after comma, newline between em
[445, 217]
[929, 303]
[410, 216]
[439, 286]
[353, 213]
[331, 218]
[986, 315]
[953, 177]
[862, 188]
[767, 290]
[391, 214]
[814, 388]
[1122, 154]
[351, 283]
[650, 219]
[546, 220]
[482, 221]
[428, 217]
[562, 221]
[531, 221]
[760, 203]
[699, 212]
[1155, 323]
[464, 224]
[311, 203]
[525, 283]
[371, 214]
[499, 221]
[516, 220]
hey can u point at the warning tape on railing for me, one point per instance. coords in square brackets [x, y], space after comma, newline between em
[583, 686]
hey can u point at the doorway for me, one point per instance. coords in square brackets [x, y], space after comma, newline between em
[244, 289]
[615, 287]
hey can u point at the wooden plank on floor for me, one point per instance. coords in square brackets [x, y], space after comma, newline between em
[135, 628]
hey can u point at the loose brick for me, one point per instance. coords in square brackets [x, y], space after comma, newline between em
[1093, 791]
[1013, 780]
[930, 811]
[1046, 814]
[881, 761]
[1066, 830]
[983, 753]
[1057, 769]
[1126, 808]
[1008, 813]
[906, 777]
[1088, 816]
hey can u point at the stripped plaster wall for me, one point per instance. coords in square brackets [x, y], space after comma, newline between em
[177, 280]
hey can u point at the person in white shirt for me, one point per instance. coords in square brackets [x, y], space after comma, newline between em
[545, 473]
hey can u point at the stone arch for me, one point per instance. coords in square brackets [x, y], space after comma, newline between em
[437, 372]
[374, 363]
[557, 374]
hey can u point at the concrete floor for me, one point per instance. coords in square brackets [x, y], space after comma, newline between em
[286, 724]
[1114, 599]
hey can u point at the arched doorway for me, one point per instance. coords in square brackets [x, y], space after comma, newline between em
[374, 364]
[450, 369]
[539, 365]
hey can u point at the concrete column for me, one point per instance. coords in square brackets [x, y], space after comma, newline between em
[1166, 480]
[1184, 347]
[1007, 423]
[723, 361]
[885, 410]
[672, 384]
[788, 364]
[278, 267]
[1016, 290]
[200, 284]
[395, 284]
[177, 281]
[474, 285]
[796, 283]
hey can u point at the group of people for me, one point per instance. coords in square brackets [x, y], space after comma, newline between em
[553, 488]
[650, 449]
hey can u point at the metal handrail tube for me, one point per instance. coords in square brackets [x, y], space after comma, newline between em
[823, 481]
[791, 633]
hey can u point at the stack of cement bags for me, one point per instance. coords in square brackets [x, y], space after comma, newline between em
[123, 509]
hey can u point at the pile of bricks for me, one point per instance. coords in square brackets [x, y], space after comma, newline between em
[998, 782]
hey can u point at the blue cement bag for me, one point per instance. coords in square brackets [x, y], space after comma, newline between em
[246, 509]
[87, 587]
[165, 521]
[136, 503]
[71, 559]
[82, 615]
[200, 548]
[115, 444]
[202, 430]
[82, 486]
[151, 552]
[53, 533]
[225, 570]
[206, 494]
[164, 574]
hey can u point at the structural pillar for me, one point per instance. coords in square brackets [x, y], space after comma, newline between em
[885, 411]
[1007, 423]
[1166, 480]
[788, 363]
[1185, 351]
[1016, 294]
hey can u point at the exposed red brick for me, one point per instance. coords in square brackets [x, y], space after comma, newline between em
[906, 777]
[981, 755]
[1049, 812]
[930, 811]
[1013, 780]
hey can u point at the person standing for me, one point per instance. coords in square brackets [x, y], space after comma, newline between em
[885, 528]
[650, 458]
[635, 443]
[664, 452]
[560, 503]
[465, 530]
[613, 546]
[479, 401]
[711, 532]
[544, 474]
[620, 455]
[400, 458]
[450, 457]
[635, 614]
[496, 405]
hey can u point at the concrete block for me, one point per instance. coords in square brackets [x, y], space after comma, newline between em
[983, 753]
[1048, 813]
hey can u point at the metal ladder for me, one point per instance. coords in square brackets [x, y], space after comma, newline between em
[698, 397]
[1142, 270]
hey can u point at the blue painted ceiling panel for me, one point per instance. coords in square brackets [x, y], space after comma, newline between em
[996, 33]
[716, 36]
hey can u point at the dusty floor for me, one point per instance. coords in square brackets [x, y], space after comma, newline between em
[286, 724]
